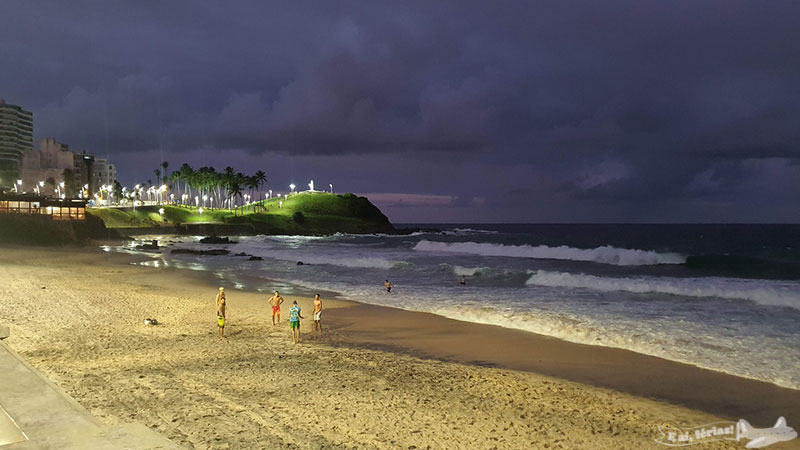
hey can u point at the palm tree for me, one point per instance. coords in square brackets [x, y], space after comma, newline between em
[252, 184]
[261, 179]
[164, 166]
[226, 181]
[206, 179]
[235, 189]
[187, 173]
[175, 178]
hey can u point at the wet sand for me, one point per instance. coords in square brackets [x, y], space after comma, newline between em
[433, 336]
[377, 378]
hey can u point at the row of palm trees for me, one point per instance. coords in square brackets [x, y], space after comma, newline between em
[206, 183]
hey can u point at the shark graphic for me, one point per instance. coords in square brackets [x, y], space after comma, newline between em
[762, 437]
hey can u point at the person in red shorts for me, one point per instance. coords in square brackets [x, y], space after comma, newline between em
[276, 301]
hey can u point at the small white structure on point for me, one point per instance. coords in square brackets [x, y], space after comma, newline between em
[311, 185]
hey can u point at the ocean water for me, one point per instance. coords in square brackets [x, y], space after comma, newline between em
[723, 297]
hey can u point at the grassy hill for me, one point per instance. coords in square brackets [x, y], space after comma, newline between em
[309, 213]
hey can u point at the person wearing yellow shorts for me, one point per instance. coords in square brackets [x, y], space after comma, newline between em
[222, 307]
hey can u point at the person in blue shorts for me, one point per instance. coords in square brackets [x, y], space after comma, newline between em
[294, 321]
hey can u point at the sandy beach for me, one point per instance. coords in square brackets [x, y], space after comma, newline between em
[377, 378]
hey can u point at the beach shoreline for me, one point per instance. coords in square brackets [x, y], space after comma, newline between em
[75, 340]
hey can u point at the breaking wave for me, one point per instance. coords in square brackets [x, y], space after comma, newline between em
[468, 271]
[605, 255]
[764, 293]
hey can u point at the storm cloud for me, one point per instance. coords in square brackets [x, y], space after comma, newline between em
[545, 111]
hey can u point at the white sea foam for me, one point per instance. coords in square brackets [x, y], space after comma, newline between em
[764, 292]
[468, 271]
[605, 254]
[753, 356]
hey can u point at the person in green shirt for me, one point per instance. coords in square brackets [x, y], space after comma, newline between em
[294, 321]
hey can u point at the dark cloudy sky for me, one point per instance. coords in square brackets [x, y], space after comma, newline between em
[456, 111]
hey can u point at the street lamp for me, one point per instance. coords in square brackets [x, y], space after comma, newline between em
[291, 187]
[331, 185]
[311, 185]
[270, 193]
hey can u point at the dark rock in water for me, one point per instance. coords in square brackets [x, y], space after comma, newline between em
[217, 240]
[242, 254]
[300, 263]
[188, 251]
[153, 245]
[255, 258]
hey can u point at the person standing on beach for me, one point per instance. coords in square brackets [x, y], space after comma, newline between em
[294, 321]
[276, 301]
[317, 315]
[388, 286]
[221, 311]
